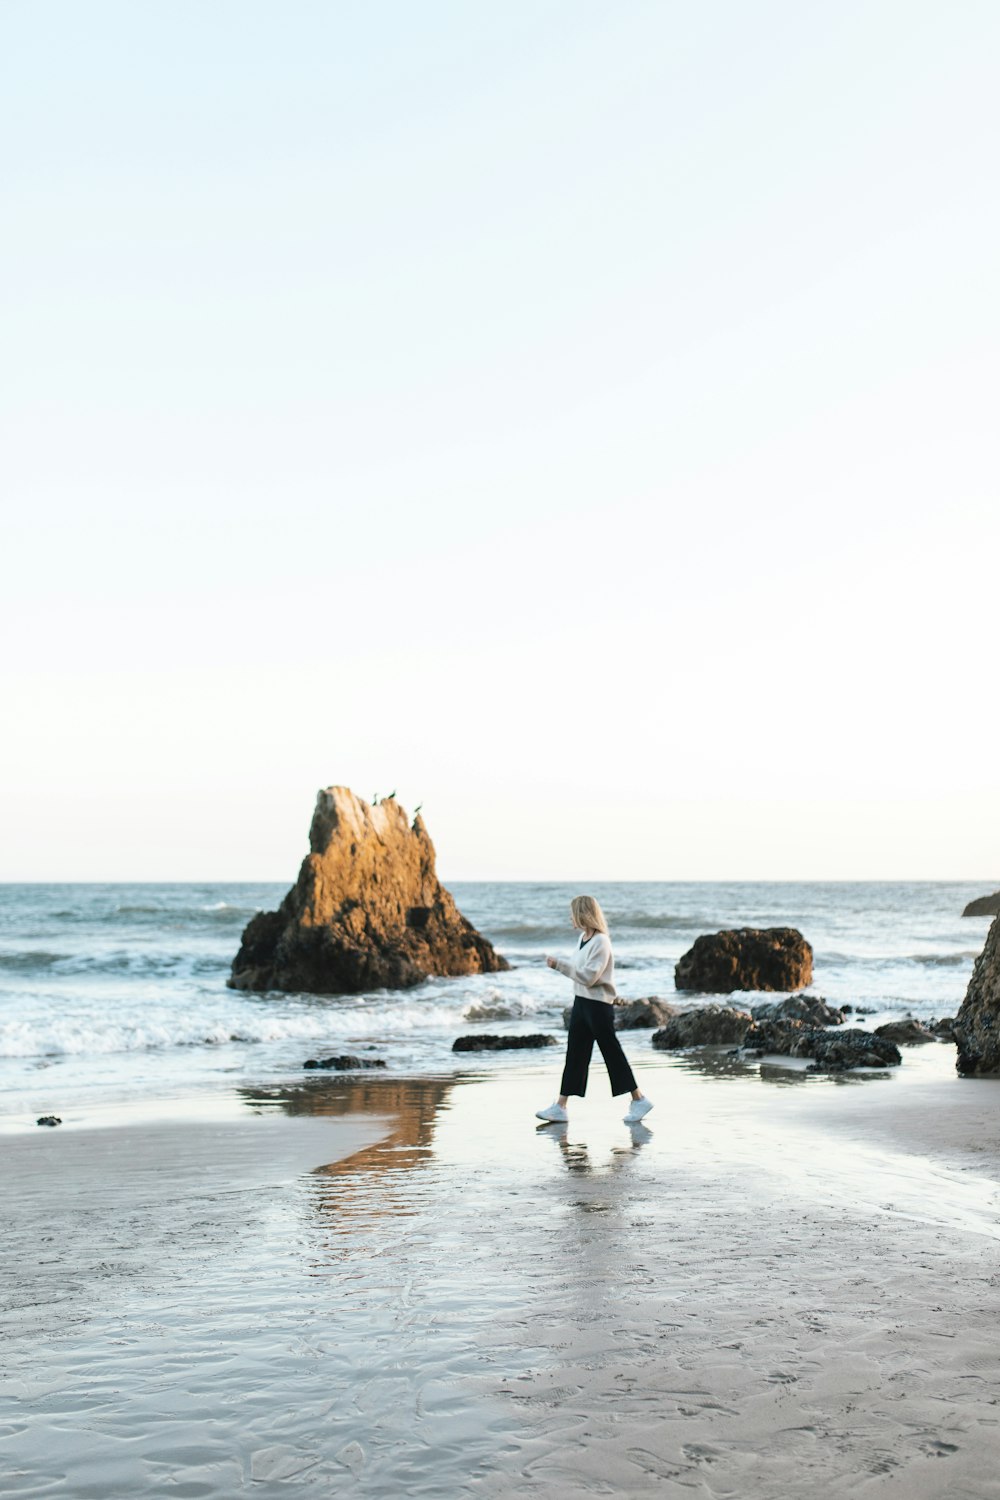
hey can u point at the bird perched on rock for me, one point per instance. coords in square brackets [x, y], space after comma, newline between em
[391, 795]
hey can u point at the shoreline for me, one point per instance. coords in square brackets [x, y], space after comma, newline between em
[922, 1107]
[107, 992]
[932, 1109]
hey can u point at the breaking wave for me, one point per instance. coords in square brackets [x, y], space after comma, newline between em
[57, 1034]
[892, 960]
[497, 1009]
[660, 921]
[137, 962]
[944, 960]
[32, 960]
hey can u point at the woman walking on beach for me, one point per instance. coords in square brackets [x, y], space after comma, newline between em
[593, 1017]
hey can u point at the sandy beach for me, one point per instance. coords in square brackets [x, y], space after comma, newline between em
[785, 1284]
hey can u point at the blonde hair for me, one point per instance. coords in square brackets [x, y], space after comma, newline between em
[586, 913]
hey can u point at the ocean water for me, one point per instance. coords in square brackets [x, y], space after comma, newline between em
[116, 992]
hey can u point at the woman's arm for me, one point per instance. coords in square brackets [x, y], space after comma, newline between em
[593, 966]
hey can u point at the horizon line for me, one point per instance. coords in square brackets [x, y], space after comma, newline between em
[547, 880]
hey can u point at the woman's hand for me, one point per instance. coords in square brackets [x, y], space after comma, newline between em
[550, 961]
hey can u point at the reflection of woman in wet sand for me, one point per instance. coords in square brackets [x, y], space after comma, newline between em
[593, 1017]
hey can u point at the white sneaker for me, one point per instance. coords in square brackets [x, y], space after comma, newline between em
[637, 1109]
[555, 1113]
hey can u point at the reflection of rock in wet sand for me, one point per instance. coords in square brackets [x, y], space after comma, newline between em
[409, 1105]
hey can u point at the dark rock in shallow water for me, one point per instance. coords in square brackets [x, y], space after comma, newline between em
[367, 911]
[632, 1014]
[747, 958]
[649, 1012]
[777, 1035]
[831, 1051]
[48, 1120]
[485, 1042]
[811, 1008]
[977, 1025]
[709, 1026]
[836, 1051]
[984, 906]
[345, 1063]
[944, 1029]
[908, 1033]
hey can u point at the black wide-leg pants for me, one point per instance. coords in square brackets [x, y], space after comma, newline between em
[594, 1021]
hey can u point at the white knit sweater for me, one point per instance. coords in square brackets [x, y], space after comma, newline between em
[593, 973]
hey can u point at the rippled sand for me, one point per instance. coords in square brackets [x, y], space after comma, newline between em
[784, 1286]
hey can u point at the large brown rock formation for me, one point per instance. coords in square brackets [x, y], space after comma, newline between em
[747, 958]
[976, 1028]
[367, 911]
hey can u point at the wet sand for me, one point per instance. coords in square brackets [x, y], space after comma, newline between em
[784, 1286]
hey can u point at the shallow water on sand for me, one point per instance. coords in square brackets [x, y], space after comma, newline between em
[752, 1295]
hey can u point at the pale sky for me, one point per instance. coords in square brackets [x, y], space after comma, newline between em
[580, 418]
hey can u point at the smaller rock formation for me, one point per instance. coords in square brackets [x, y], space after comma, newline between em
[977, 1025]
[346, 1062]
[831, 1051]
[984, 906]
[485, 1042]
[836, 1051]
[811, 1008]
[367, 911]
[48, 1120]
[770, 1036]
[907, 1033]
[634, 1014]
[630, 1015]
[709, 1026]
[944, 1029]
[493, 1009]
[747, 958]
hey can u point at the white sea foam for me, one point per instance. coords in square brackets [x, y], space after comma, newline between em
[57, 1034]
[498, 1010]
